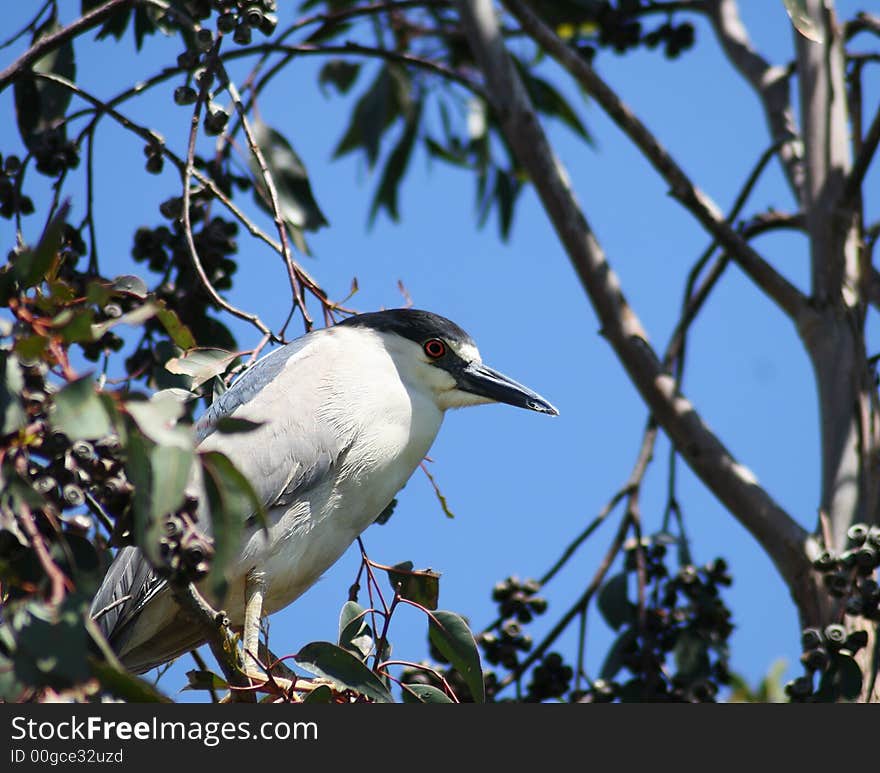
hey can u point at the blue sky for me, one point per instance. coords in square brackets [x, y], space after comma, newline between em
[523, 485]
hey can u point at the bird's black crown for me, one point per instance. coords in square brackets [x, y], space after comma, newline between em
[414, 324]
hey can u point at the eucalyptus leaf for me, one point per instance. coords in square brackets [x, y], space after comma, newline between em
[40, 104]
[12, 413]
[201, 364]
[450, 634]
[343, 669]
[424, 693]
[613, 602]
[79, 412]
[422, 587]
[385, 99]
[32, 266]
[231, 500]
[296, 200]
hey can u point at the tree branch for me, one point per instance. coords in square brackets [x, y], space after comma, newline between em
[777, 287]
[780, 536]
[853, 185]
[44, 45]
[769, 82]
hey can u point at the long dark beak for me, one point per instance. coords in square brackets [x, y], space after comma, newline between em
[480, 379]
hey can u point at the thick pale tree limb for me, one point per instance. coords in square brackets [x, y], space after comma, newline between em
[770, 82]
[776, 286]
[835, 343]
[777, 532]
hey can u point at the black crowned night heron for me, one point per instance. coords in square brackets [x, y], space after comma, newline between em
[345, 415]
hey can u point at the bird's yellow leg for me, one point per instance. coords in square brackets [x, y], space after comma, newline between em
[254, 590]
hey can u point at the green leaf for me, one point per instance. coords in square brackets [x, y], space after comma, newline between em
[32, 266]
[395, 167]
[41, 104]
[321, 694]
[613, 602]
[12, 413]
[232, 425]
[204, 680]
[424, 693]
[386, 514]
[385, 99]
[178, 332]
[451, 155]
[115, 25]
[201, 364]
[451, 636]
[507, 188]
[130, 285]
[134, 318]
[296, 201]
[157, 418]
[79, 412]
[355, 635]
[614, 659]
[339, 73]
[422, 587]
[232, 500]
[125, 686]
[147, 518]
[144, 24]
[75, 326]
[40, 627]
[343, 669]
[549, 101]
[691, 656]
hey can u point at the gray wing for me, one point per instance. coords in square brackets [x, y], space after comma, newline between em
[291, 451]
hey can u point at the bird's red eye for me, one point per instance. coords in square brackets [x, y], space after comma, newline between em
[435, 348]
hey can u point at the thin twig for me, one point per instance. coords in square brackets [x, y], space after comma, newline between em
[185, 215]
[272, 191]
[582, 603]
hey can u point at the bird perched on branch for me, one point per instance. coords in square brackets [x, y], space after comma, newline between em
[345, 415]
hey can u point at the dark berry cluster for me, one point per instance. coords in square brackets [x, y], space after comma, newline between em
[12, 201]
[238, 17]
[185, 553]
[53, 152]
[518, 604]
[551, 679]
[676, 648]
[619, 28]
[850, 574]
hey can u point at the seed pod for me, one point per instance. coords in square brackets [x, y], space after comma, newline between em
[835, 635]
[185, 95]
[816, 659]
[188, 59]
[866, 559]
[73, 495]
[254, 16]
[242, 34]
[82, 449]
[800, 688]
[267, 26]
[856, 640]
[204, 39]
[45, 484]
[226, 22]
[825, 560]
[857, 534]
[811, 638]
